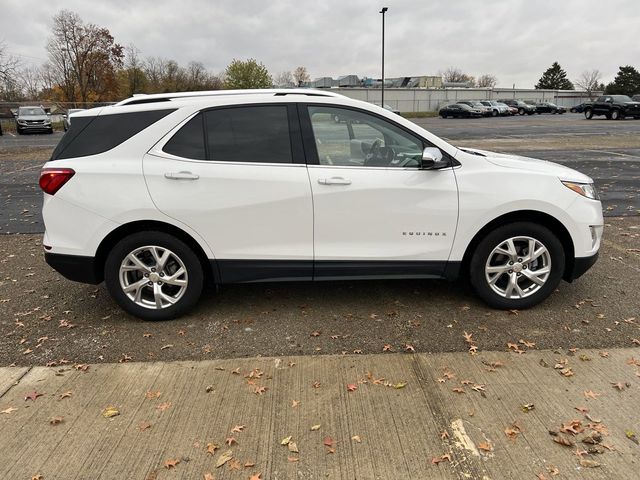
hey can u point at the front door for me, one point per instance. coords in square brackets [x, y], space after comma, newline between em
[376, 213]
[237, 176]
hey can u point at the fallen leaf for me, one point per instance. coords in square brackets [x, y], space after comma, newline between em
[169, 464]
[352, 387]
[356, 438]
[237, 429]
[110, 412]
[56, 420]
[486, 446]
[589, 463]
[295, 403]
[573, 427]
[620, 386]
[582, 409]
[409, 348]
[257, 476]
[211, 448]
[458, 390]
[208, 476]
[591, 394]
[315, 427]
[292, 459]
[387, 348]
[293, 448]
[400, 385]
[163, 406]
[512, 431]
[32, 396]
[527, 407]
[230, 441]
[8, 411]
[234, 464]
[285, 440]
[142, 426]
[444, 435]
[328, 442]
[66, 395]
[259, 390]
[563, 441]
[224, 458]
[151, 395]
[316, 385]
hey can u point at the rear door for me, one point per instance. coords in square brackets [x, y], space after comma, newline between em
[237, 176]
[376, 213]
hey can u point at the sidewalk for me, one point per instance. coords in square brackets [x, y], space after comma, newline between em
[388, 416]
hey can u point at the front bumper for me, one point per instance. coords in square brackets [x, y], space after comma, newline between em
[579, 267]
[74, 267]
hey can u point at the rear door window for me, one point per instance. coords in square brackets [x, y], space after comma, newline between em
[249, 134]
[188, 142]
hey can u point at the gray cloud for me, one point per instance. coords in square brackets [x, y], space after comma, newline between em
[515, 40]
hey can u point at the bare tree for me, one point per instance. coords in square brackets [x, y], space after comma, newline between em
[284, 79]
[8, 70]
[84, 58]
[589, 81]
[300, 75]
[31, 80]
[456, 75]
[133, 75]
[487, 81]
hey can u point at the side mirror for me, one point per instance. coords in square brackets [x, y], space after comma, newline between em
[432, 159]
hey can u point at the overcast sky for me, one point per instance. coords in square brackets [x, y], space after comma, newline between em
[516, 40]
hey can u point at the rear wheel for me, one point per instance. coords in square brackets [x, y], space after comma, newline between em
[517, 265]
[154, 276]
[521, 111]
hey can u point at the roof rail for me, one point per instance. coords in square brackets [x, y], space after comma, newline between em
[163, 97]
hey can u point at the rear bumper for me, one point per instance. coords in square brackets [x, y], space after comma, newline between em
[74, 267]
[580, 266]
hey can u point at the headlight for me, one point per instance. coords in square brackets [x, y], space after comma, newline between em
[22, 122]
[584, 189]
[47, 122]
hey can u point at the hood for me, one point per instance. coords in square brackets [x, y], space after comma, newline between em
[33, 117]
[533, 165]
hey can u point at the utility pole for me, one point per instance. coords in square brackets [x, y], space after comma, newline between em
[383, 11]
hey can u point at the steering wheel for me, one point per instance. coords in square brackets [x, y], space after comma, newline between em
[379, 156]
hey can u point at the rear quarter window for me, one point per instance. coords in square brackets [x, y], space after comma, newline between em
[94, 135]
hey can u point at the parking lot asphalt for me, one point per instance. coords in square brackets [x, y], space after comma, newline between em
[608, 151]
[45, 319]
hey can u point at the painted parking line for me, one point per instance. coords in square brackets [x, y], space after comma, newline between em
[613, 153]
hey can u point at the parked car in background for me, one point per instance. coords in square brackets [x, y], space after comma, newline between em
[636, 98]
[460, 110]
[263, 186]
[579, 108]
[548, 107]
[486, 111]
[614, 107]
[497, 108]
[66, 120]
[33, 119]
[521, 106]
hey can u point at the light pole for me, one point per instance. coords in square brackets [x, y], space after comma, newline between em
[383, 11]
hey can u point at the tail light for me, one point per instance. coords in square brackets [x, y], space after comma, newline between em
[52, 179]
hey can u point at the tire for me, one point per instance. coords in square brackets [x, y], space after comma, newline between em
[521, 111]
[614, 115]
[588, 113]
[119, 270]
[573, 110]
[494, 113]
[500, 295]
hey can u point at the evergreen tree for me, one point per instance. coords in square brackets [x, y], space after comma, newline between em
[554, 78]
[627, 82]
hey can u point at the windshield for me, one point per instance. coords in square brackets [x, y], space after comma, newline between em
[30, 111]
[621, 98]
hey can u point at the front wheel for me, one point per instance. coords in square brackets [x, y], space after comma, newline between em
[521, 111]
[154, 275]
[517, 265]
[615, 115]
[588, 114]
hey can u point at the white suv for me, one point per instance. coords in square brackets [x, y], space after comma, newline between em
[160, 193]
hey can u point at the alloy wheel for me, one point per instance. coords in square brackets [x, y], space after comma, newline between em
[153, 277]
[518, 267]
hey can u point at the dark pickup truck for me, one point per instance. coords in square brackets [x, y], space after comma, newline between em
[614, 107]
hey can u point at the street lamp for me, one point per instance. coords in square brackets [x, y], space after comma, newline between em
[383, 11]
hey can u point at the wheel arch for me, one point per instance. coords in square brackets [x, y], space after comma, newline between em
[534, 216]
[210, 270]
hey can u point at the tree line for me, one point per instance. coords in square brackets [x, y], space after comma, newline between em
[86, 65]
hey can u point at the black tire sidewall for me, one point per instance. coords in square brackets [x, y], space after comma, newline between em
[161, 239]
[491, 240]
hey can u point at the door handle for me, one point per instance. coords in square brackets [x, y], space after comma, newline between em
[334, 181]
[181, 176]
